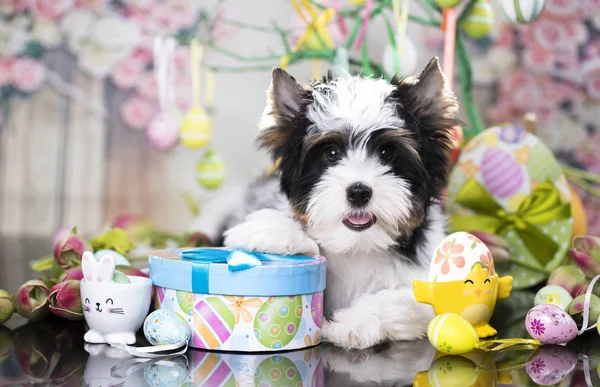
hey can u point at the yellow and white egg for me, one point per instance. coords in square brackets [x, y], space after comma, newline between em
[452, 334]
[455, 256]
[196, 129]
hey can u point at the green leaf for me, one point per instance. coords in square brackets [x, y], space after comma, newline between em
[34, 50]
[42, 264]
[74, 230]
[120, 278]
[191, 204]
[114, 239]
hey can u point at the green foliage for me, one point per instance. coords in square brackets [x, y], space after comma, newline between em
[115, 239]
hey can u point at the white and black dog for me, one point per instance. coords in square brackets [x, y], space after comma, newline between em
[362, 162]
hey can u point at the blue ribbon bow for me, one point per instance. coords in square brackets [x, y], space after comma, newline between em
[236, 260]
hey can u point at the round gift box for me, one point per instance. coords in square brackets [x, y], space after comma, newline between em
[513, 172]
[275, 305]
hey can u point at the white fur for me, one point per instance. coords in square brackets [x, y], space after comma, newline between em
[391, 203]
[353, 103]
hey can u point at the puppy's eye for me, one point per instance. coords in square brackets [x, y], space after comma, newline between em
[332, 153]
[469, 282]
[487, 281]
[387, 153]
[109, 299]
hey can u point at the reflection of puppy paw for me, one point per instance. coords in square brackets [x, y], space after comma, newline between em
[93, 337]
[270, 231]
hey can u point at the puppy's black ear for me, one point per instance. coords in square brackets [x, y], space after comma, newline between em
[286, 102]
[430, 108]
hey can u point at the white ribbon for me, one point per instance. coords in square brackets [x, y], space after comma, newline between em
[586, 307]
[164, 71]
[154, 351]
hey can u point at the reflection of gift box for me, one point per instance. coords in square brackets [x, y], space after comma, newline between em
[240, 301]
[297, 368]
[508, 182]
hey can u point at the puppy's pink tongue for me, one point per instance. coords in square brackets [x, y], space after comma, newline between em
[359, 219]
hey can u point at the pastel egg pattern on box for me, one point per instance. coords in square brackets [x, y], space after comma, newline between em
[318, 379]
[550, 324]
[555, 295]
[213, 323]
[501, 174]
[277, 321]
[211, 370]
[455, 256]
[277, 371]
[316, 309]
[163, 327]
[161, 375]
[551, 364]
[186, 302]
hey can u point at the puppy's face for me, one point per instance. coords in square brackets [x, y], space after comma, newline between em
[360, 159]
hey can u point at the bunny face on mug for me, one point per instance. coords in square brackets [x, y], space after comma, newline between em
[113, 311]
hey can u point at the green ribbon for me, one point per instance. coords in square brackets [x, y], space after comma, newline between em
[542, 206]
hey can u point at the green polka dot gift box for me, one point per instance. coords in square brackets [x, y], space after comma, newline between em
[235, 300]
[507, 182]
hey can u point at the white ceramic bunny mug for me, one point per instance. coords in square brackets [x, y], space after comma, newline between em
[113, 311]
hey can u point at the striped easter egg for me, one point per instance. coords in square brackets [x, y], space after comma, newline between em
[522, 11]
[277, 321]
[478, 22]
[210, 170]
[186, 302]
[501, 174]
[277, 371]
[451, 333]
[316, 309]
[213, 323]
[212, 371]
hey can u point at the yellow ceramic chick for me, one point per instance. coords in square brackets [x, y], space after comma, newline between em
[473, 298]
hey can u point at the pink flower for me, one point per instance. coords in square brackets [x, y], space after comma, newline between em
[527, 97]
[538, 60]
[592, 49]
[137, 112]
[562, 8]
[27, 74]
[175, 14]
[505, 36]
[5, 70]
[545, 111]
[51, 9]
[95, 5]
[450, 252]
[127, 73]
[488, 261]
[537, 365]
[10, 7]
[537, 327]
[550, 35]
[147, 87]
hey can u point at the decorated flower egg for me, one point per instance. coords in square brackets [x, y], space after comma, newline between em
[555, 295]
[316, 309]
[455, 256]
[451, 333]
[161, 374]
[163, 131]
[277, 321]
[277, 371]
[501, 173]
[163, 327]
[522, 11]
[550, 324]
[542, 164]
[551, 364]
[185, 301]
[213, 323]
[407, 56]
[210, 170]
[196, 129]
[478, 22]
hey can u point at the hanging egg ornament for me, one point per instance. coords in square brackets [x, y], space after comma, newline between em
[163, 131]
[406, 53]
[522, 11]
[478, 22]
[357, 2]
[210, 170]
[448, 3]
[196, 129]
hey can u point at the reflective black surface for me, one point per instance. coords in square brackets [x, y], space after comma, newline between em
[53, 353]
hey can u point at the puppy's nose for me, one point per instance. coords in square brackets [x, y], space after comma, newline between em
[359, 194]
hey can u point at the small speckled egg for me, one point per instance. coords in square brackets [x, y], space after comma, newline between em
[172, 372]
[550, 324]
[551, 364]
[455, 256]
[165, 327]
[451, 333]
[555, 295]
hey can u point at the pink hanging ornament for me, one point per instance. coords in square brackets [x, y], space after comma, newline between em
[163, 130]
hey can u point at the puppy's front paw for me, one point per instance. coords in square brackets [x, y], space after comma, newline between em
[270, 231]
[353, 331]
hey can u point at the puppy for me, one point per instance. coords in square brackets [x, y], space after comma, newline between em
[362, 162]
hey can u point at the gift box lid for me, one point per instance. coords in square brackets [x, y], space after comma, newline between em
[236, 272]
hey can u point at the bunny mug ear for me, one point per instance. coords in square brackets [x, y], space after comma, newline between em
[94, 271]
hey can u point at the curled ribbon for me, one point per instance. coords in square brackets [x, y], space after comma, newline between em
[238, 259]
[542, 206]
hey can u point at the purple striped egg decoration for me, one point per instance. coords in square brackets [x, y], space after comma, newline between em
[213, 323]
[501, 173]
[211, 370]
